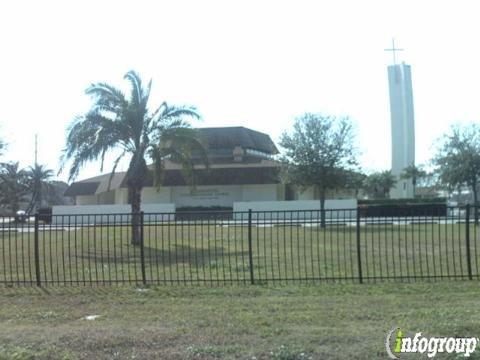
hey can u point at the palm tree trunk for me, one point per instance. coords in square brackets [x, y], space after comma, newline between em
[38, 199]
[475, 200]
[323, 221]
[15, 206]
[136, 179]
[135, 199]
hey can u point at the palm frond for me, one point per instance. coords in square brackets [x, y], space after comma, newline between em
[168, 116]
[187, 139]
[89, 138]
[180, 144]
[106, 96]
[146, 94]
[158, 110]
[136, 87]
[181, 155]
[114, 168]
[157, 155]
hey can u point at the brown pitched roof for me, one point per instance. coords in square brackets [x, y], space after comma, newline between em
[82, 188]
[214, 176]
[217, 138]
[230, 137]
[224, 176]
[116, 182]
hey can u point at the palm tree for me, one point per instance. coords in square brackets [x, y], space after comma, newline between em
[355, 181]
[414, 173]
[116, 121]
[388, 181]
[13, 185]
[38, 179]
[379, 184]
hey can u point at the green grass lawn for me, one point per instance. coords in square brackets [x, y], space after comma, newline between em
[330, 321]
[204, 253]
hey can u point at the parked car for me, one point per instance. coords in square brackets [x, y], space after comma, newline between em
[21, 216]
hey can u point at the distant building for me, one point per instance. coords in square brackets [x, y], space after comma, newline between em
[242, 168]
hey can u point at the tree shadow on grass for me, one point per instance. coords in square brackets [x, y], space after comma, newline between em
[190, 255]
[179, 254]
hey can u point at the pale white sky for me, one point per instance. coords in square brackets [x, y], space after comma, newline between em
[251, 63]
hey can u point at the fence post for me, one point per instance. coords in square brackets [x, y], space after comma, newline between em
[250, 255]
[142, 250]
[467, 240]
[359, 255]
[37, 251]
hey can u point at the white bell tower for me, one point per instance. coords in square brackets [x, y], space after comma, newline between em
[402, 124]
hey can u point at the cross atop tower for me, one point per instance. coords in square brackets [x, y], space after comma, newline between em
[393, 49]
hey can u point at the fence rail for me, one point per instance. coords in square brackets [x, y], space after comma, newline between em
[254, 247]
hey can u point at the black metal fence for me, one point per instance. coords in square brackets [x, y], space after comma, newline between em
[241, 247]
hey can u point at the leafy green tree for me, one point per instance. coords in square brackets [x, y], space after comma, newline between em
[55, 194]
[430, 184]
[318, 153]
[355, 181]
[117, 121]
[13, 185]
[379, 184]
[414, 173]
[39, 183]
[458, 159]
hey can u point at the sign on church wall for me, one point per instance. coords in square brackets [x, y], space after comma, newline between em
[206, 195]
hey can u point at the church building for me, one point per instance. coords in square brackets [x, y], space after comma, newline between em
[242, 168]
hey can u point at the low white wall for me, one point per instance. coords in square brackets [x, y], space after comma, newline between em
[306, 194]
[104, 213]
[346, 208]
